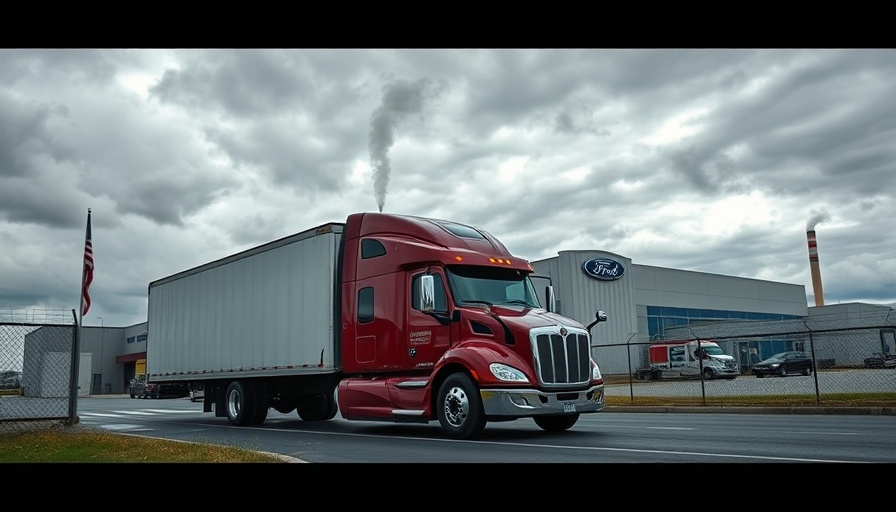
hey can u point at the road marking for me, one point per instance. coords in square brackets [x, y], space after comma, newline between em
[104, 415]
[121, 427]
[564, 447]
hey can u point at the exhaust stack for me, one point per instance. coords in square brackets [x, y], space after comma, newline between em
[813, 266]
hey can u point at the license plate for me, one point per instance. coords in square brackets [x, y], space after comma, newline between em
[569, 407]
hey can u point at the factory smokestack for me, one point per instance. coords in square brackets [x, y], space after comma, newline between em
[813, 266]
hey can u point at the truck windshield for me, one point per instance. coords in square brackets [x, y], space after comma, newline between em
[472, 285]
[712, 350]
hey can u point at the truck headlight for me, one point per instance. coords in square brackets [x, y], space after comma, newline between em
[508, 373]
[595, 371]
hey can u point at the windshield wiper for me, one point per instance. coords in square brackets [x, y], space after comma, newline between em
[487, 303]
[518, 302]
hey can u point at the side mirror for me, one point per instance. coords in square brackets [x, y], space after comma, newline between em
[427, 296]
[601, 316]
[551, 298]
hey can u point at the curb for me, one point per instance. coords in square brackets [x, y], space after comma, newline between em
[862, 411]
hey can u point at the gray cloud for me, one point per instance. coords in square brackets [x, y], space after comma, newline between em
[707, 160]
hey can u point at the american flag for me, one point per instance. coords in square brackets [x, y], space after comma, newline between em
[88, 269]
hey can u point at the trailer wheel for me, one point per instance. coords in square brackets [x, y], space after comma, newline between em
[459, 407]
[259, 402]
[238, 400]
[556, 423]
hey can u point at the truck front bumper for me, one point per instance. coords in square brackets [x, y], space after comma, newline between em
[517, 403]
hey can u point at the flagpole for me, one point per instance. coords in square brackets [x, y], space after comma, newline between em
[76, 349]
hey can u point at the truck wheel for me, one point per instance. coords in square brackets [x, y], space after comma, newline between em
[556, 423]
[320, 407]
[708, 374]
[459, 407]
[284, 407]
[332, 407]
[238, 400]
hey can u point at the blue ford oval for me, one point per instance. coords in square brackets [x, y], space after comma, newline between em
[603, 268]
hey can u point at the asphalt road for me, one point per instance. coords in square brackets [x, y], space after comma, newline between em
[606, 437]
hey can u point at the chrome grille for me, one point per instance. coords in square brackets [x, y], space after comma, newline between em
[561, 361]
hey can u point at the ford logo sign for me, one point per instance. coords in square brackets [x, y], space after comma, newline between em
[603, 269]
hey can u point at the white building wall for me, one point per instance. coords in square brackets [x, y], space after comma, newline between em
[134, 339]
[656, 286]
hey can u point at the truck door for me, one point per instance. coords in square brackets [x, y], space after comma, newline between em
[677, 356]
[427, 334]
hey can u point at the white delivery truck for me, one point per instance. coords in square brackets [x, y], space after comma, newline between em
[688, 358]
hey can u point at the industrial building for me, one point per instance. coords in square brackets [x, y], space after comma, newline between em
[114, 353]
[642, 301]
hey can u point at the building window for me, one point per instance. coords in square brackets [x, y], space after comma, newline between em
[659, 318]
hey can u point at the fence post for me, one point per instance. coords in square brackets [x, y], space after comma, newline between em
[76, 364]
[814, 366]
[628, 349]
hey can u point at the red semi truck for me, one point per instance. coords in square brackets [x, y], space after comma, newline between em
[384, 317]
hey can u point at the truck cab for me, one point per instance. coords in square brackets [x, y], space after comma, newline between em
[441, 322]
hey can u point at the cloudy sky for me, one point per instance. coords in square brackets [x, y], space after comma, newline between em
[708, 160]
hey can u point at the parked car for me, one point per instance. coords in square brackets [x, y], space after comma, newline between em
[881, 360]
[10, 379]
[784, 363]
[140, 389]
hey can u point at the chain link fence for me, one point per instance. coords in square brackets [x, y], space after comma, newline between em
[850, 360]
[38, 370]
